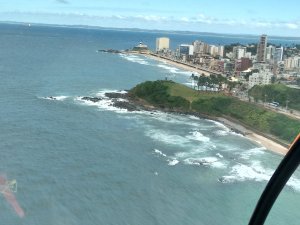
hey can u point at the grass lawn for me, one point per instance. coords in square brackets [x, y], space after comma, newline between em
[189, 94]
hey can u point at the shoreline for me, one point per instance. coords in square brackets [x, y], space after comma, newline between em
[268, 143]
[176, 64]
[265, 141]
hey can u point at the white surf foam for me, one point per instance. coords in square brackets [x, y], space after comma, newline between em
[221, 132]
[105, 103]
[56, 98]
[294, 183]
[160, 152]
[197, 136]
[219, 155]
[253, 152]
[135, 59]
[206, 161]
[173, 162]
[163, 136]
[174, 70]
[173, 119]
[242, 172]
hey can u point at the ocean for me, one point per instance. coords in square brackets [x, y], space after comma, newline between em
[78, 162]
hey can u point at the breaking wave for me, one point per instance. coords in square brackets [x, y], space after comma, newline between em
[197, 136]
[135, 59]
[104, 102]
[56, 98]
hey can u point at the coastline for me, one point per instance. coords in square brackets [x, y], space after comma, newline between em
[264, 140]
[268, 143]
[176, 64]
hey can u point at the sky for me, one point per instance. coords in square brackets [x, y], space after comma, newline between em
[281, 18]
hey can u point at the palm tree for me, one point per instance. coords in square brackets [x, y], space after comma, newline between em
[201, 81]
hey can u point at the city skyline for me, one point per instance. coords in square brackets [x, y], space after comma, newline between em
[253, 17]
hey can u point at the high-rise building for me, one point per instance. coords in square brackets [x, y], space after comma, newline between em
[221, 50]
[270, 51]
[239, 52]
[278, 54]
[261, 48]
[186, 49]
[162, 43]
[198, 46]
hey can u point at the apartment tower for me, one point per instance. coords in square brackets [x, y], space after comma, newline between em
[261, 48]
[162, 43]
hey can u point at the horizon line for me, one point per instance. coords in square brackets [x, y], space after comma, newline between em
[135, 28]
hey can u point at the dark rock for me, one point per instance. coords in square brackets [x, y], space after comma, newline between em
[115, 95]
[125, 105]
[92, 99]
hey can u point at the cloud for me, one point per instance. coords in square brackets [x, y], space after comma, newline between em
[292, 26]
[154, 21]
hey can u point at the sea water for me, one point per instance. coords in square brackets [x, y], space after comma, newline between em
[82, 163]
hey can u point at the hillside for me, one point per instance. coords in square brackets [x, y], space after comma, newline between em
[171, 95]
[278, 93]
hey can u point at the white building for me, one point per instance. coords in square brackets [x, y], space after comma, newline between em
[248, 55]
[221, 50]
[185, 49]
[239, 52]
[262, 78]
[270, 51]
[278, 54]
[162, 43]
[213, 50]
[292, 63]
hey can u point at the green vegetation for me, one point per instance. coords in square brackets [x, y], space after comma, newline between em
[229, 48]
[156, 93]
[278, 93]
[213, 80]
[167, 94]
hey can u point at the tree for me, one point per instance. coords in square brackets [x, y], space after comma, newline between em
[273, 79]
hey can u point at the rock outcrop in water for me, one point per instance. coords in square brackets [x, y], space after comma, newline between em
[92, 99]
[118, 100]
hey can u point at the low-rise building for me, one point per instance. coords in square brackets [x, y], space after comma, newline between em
[262, 78]
[141, 48]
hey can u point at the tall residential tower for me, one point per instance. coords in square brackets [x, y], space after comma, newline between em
[261, 48]
[162, 43]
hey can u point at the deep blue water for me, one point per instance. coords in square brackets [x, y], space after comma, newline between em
[82, 163]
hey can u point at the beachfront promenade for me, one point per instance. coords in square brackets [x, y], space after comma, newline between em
[198, 68]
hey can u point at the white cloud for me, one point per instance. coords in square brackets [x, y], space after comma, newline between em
[193, 23]
[292, 26]
[185, 19]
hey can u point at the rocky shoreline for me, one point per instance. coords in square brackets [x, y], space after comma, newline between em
[132, 103]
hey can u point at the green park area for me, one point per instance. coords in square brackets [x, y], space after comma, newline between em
[178, 97]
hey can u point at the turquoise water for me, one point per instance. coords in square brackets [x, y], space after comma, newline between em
[82, 163]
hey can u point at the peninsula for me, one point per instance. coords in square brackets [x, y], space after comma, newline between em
[247, 118]
[273, 130]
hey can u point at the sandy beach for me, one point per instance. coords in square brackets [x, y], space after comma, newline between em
[178, 65]
[265, 142]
